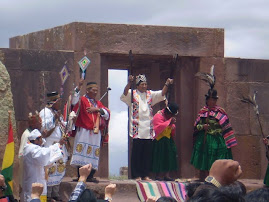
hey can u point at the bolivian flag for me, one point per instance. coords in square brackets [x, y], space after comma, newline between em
[8, 159]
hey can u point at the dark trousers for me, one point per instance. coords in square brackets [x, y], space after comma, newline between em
[141, 158]
[53, 191]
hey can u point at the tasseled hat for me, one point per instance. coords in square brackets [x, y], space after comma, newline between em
[140, 78]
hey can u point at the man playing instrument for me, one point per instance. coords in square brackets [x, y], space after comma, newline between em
[53, 128]
[140, 120]
[92, 120]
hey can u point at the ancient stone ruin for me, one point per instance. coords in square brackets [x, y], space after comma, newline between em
[42, 54]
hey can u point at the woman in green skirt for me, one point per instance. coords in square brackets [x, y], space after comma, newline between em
[164, 157]
[213, 135]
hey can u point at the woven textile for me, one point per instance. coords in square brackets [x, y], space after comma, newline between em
[158, 189]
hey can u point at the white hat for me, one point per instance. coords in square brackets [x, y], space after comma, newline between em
[34, 134]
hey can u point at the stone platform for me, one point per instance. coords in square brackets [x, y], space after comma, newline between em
[126, 189]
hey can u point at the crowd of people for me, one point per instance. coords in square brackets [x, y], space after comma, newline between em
[45, 148]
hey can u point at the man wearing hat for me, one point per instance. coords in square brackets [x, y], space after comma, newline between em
[164, 147]
[213, 135]
[35, 158]
[140, 120]
[34, 122]
[92, 120]
[53, 129]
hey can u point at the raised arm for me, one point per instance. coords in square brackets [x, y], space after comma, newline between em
[128, 85]
[166, 85]
[75, 97]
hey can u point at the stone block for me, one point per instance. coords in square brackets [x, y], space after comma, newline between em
[238, 111]
[118, 38]
[247, 153]
[247, 70]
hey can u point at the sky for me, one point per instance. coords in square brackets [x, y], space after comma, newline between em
[245, 22]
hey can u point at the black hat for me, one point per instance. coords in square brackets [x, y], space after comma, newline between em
[212, 93]
[53, 97]
[172, 108]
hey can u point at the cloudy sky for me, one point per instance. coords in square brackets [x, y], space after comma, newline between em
[246, 23]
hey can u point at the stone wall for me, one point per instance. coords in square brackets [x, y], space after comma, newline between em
[242, 78]
[6, 100]
[120, 38]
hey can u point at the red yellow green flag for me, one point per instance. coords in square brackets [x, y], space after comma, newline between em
[8, 159]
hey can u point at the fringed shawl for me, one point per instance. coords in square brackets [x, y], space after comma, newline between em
[219, 114]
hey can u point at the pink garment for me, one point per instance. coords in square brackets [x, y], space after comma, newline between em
[160, 123]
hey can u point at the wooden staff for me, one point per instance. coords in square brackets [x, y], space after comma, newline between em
[131, 59]
[171, 76]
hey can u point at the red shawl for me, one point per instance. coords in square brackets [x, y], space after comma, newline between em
[87, 120]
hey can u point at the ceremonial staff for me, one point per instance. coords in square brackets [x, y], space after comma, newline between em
[108, 89]
[172, 73]
[131, 59]
[44, 93]
[252, 101]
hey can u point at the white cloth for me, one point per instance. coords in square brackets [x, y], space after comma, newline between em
[57, 171]
[86, 148]
[34, 160]
[145, 118]
[24, 140]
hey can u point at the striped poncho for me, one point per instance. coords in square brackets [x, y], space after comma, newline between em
[219, 114]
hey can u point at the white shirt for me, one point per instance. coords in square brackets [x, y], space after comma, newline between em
[145, 117]
[34, 160]
[48, 123]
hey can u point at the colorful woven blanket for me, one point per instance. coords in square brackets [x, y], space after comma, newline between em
[158, 189]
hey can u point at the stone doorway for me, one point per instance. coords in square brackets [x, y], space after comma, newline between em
[157, 70]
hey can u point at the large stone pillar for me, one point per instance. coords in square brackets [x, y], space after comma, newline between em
[6, 100]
